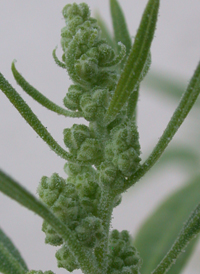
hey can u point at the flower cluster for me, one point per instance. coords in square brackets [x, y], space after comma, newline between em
[105, 155]
[123, 257]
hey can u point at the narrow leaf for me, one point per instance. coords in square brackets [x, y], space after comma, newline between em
[105, 32]
[39, 97]
[160, 230]
[165, 84]
[180, 154]
[121, 32]
[181, 112]
[8, 264]
[32, 119]
[57, 61]
[133, 99]
[15, 191]
[7, 243]
[139, 53]
[190, 230]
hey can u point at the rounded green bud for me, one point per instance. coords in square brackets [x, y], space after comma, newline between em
[73, 10]
[52, 237]
[106, 53]
[88, 106]
[65, 259]
[122, 255]
[128, 161]
[90, 150]
[115, 234]
[49, 189]
[87, 69]
[89, 231]
[72, 169]
[107, 173]
[75, 136]
[86, 185]
[117, 263]
[100, 97]
[72, 98]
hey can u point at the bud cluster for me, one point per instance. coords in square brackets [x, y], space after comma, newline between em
[104, 155]
[87, 57]
[74, 201]
[123, 256]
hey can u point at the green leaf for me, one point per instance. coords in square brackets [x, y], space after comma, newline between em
[32, 119]
[16, 192]
[190, 230]
[180, 154]
[121, 33]
[8, 264]
[7, 244]
[134, 67]
[39, 97]
[160, 230]
[164, 84]
[187, 101]
[105, 32]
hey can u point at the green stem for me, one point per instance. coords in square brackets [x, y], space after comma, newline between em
[177, 119]
[39, 97]
[32, 119]
[15, 191]
[189, 231]
[104, 213]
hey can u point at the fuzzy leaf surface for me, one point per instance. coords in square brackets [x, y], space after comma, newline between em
[160, 230]
[133, 68]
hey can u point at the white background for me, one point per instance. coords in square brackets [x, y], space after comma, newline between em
[29, 31]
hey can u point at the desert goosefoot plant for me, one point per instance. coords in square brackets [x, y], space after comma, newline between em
[103, 157]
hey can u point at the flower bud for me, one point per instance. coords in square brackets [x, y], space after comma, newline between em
[128, 161]
[106, 53]
[89, 231]
[65, 259]
[72, 98]
[75, 136]
[88, 106]
[90, 150]
[107, 173]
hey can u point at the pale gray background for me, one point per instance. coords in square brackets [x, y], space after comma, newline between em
[29, 31]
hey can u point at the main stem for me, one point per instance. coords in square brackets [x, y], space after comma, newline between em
[105, 213]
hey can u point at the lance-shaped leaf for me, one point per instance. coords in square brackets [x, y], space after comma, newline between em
[15, 191]
[32, 119]
[161, 229]
[105, 32]
[39, 97]
[190, 230]
[133, 69]
[10, 253]
[187, 101]
[8, 263]
[121, 33]
[165, 84]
